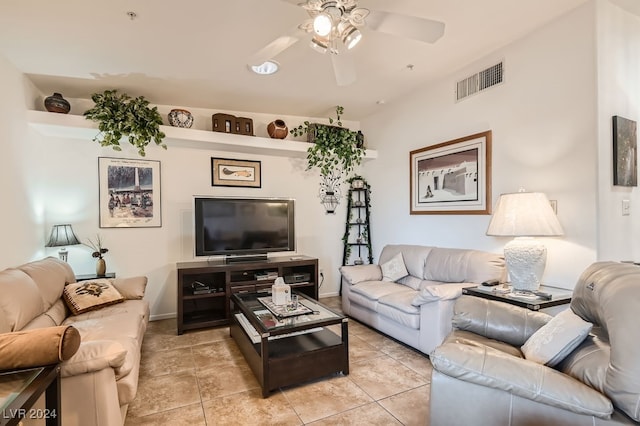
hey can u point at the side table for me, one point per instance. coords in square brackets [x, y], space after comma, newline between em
[504, 293]
[20, 389]
[85, 277]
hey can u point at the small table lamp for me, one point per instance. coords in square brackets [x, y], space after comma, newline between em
[524, 215]
[62, 236]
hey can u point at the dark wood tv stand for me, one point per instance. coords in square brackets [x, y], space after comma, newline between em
[210, 306]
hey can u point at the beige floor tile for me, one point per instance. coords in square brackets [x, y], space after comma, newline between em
[154, 342]
[360, 350]
[191, 415]
[225, 380]
[413, 359]
[370, 414]
[166, 362]
[209, 335]
[249, 408]
[166, 326]
[410, 407]
[156, 394]
[220, 353]
[324, 398]
[382, 377]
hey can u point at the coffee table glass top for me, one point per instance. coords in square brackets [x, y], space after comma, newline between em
[13, 383]
[267, 322]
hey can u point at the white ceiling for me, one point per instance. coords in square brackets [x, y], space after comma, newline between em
[193, 53]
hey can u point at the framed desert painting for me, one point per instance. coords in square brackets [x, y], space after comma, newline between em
[452, 177]
[129, 193]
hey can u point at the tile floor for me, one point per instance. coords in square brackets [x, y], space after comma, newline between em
[201, 378]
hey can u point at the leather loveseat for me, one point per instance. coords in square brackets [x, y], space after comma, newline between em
[481, 377]
[101, 378]
[417, 308]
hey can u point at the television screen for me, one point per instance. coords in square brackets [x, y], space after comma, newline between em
[243, 226]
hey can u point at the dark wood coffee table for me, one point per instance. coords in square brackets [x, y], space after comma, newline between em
[289, 351]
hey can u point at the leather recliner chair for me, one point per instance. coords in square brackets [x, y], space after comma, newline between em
[481, 377]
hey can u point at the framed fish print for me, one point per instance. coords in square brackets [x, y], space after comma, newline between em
[230, 172]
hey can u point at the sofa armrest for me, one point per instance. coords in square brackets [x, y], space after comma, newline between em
[37, 347]
[444, 291]
[354, 274]
[497, 320]
[130, 288]
[492, 368]
[94, 355]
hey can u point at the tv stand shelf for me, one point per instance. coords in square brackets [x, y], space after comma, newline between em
[197, 311]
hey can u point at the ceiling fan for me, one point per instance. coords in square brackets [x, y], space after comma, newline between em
[334, 26]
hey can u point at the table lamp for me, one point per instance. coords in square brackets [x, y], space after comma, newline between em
[524, 215]
[62, 236]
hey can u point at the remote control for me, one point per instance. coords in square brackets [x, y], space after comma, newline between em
[491, 283]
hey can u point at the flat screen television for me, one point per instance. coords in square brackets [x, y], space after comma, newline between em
[243, 228]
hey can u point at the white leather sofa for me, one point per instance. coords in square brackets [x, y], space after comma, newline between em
[101, 378]
[416, 309]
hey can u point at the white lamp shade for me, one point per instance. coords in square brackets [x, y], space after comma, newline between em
[524, 214]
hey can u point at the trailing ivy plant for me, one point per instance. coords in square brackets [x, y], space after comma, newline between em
[118, 116]
[334, 147]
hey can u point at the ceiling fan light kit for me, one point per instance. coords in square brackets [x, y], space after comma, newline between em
[335, 27]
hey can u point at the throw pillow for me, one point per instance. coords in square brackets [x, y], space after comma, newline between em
[394, 268]
[86, 296]
[556, 339]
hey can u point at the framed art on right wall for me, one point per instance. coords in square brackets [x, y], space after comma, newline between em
[625, 163]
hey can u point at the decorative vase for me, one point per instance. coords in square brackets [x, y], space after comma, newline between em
[180, 118]
[101, 267]
[277, 129]
[56, 103]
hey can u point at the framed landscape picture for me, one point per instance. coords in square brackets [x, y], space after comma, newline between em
[229, 172]
[625, 166]
[129, 193]
[452, 177]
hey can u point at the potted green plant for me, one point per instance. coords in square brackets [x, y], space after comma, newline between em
[334, 147]
[118, 115]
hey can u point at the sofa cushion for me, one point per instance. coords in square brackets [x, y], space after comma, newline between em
[399, 316]
[90, 295]
[411, 282]
[400, 300]
[556, 339]
[50, 275]
[21, 301]
[130, 288]
[414, 256]
[38, 347]
[393, 269]
[374, 290]
[442, 291]
[461, 265]
[93, 356]
[354, 274]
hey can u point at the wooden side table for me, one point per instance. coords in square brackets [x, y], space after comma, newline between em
[20, 389]
[85, 277]
[559, 296]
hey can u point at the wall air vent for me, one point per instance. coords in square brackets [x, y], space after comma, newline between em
[479, 81]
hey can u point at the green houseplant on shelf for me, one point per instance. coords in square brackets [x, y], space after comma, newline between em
[118, 115]
[334, 148]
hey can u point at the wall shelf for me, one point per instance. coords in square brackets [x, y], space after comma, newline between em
[77, 127]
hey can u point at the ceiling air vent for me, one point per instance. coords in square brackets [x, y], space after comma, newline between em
[479, 81]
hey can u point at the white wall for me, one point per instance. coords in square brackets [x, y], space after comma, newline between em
[618, 94]
[544, 139]
[21, 212]
[47, 181]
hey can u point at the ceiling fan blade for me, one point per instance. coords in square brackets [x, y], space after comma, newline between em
[344, 69]
[295, 2]
[274, 48]
[413, 27]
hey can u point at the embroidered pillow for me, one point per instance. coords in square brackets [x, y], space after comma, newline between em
[394, 268]
[556, 339]
[90, 295]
